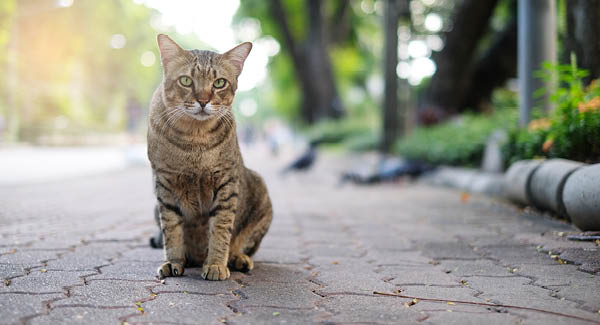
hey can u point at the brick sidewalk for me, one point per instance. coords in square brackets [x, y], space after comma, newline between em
[76, 252]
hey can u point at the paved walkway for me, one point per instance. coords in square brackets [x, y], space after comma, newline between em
[76, 252]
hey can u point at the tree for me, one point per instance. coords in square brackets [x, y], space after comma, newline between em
[447, 88]
[307, 30]
[583, 35]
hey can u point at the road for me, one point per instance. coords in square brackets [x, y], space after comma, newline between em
[75, 251]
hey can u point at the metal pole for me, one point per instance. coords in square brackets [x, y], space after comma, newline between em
[391, 123]
[536, 44]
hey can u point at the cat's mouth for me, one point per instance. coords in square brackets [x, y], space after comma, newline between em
[200, 115]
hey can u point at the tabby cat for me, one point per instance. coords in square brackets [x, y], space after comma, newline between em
[212, 210]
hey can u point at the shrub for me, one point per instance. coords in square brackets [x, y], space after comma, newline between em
[460, 141]
[572, 130]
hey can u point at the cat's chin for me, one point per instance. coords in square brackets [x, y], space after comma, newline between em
[200, 116]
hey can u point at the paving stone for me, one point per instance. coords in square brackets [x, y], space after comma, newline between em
[405, 258]
[83, 315]
[554, 275]
[11, 270]
[462, 293]
[423, 275]
[478, 267]
[461, 314]
[372, 310]
[277, 256]
[588, 258]
[519, 292]
[450, 250]
[516, 254]
[280, 241]
[291, 273]
[584, 291]
[44, 282]
[273, 315]
[113, 293]
[16, 306]
[293, 295]
[387, 242]
[333, 250]
[143, 254]
[76, 262]
[28, 258]
[129, 271]
[185, 309]
[355, 278]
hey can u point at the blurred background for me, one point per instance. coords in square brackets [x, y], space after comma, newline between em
[427, 80]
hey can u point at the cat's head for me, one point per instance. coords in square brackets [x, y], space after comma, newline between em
[200, 83]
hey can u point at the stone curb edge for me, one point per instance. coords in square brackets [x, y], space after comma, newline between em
[567, 188]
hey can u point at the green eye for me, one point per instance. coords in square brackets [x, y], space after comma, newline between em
[185, 81]
[219, 83]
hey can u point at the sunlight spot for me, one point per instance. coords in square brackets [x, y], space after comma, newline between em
[147, 59]
[433, 22]
[65, 3]
[118, 41]
[418, 49]
[248, 107]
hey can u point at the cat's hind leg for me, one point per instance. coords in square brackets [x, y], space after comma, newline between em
[246, 243]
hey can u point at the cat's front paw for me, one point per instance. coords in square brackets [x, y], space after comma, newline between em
[215, 272]
[170, 269]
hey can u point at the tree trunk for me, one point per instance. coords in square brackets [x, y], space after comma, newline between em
[312, 65]
[448, 85]
[583, 36]
[496, 66]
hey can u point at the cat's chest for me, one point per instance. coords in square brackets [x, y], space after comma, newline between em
[195, 193]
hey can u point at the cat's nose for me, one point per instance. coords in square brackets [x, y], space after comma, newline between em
[203, 102]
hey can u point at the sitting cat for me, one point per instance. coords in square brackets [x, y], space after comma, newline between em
[213, 211]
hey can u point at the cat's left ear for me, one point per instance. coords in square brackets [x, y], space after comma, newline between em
[237, 55]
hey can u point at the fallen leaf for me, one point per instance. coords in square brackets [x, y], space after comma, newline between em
[335, 262]
[141, 309]
[7, 282]
[464, 197]
[451, 303]
[434, 262]
[139, 303]
[449, 310]
[275, 313]
[415, 300]
[43, 270]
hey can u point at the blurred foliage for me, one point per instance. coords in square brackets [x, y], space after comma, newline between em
[354, 58]
[572, 130]
[460, 141]
[68, 77]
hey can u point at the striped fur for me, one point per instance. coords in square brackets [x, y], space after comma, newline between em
[212, 211]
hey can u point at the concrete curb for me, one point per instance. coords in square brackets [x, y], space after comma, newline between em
[568, 188]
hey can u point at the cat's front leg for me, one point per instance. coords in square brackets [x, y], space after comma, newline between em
[171, 225]
[222, 217]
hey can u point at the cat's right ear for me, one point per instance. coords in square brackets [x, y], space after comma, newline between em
[169, 50]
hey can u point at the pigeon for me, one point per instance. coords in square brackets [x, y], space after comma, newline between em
[389, 172]
[304, 162]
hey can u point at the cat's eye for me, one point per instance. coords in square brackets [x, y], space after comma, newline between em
[219, 83]
[185, 81]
